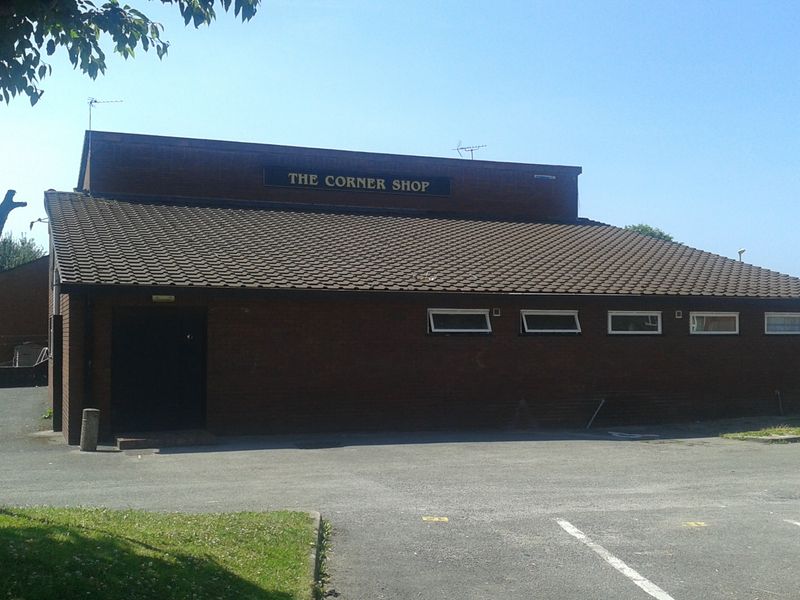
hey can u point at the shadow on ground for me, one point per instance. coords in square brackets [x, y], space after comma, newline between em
[642, 433]
[44, 560]
[23, 407]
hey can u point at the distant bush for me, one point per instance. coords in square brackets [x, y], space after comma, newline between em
[650, 231]
[16, 252]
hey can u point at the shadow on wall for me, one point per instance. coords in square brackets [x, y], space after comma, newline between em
[58, 561]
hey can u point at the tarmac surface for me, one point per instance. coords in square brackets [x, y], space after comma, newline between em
[676, 514]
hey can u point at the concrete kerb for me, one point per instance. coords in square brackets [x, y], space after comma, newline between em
[774, 439]
[315, 558]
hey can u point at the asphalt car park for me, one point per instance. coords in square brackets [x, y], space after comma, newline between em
[658, 513]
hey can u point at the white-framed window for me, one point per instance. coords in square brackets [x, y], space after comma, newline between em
[459, 320]
[634, 322]
[782, 323]
[714, 323]
[550, 321]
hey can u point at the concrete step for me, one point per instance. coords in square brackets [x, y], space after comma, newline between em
[164, 439]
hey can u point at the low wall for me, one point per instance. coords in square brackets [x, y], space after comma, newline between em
[34, 376]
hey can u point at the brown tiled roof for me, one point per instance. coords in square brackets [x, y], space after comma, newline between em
[113, 242]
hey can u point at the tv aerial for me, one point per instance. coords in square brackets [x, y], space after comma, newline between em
[471, 149]
[92, 101]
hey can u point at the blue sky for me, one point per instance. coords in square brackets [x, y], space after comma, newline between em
[684, 115]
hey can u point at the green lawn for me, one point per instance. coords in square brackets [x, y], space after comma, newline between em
[48, 553]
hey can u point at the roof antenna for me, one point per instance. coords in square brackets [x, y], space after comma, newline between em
[741, 251]
[471, 149]
[91, 102]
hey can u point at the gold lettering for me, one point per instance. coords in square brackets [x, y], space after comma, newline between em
[410, 185]
[362, 183]
[303, 179]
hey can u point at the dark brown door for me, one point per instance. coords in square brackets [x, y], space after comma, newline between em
[158, 375]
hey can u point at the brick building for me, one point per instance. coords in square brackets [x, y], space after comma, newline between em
[248, 288]
[23, 307]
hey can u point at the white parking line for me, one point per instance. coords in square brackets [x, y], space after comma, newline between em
[644, 583]
[792, 522]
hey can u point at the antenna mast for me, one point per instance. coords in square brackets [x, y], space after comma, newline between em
[471, 149]
[92, 102]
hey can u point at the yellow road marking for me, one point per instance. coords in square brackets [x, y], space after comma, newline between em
[436, 519]
[695, 524]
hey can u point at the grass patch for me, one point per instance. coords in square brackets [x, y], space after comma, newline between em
[780, 430]
[94, 553]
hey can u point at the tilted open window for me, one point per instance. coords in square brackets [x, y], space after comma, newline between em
[714, 323]
[459, 320]
[634, 322]
[550, 321]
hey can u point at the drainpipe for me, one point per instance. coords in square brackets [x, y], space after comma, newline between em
[56, 344]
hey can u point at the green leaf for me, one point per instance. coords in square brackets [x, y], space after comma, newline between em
[75, 28]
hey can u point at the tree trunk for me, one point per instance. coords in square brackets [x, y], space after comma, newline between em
[6, 206]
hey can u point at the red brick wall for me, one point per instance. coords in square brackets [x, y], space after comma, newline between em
[152, 165]
[23, 306]
[73, 389]
[360, 363]
[365, 361]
